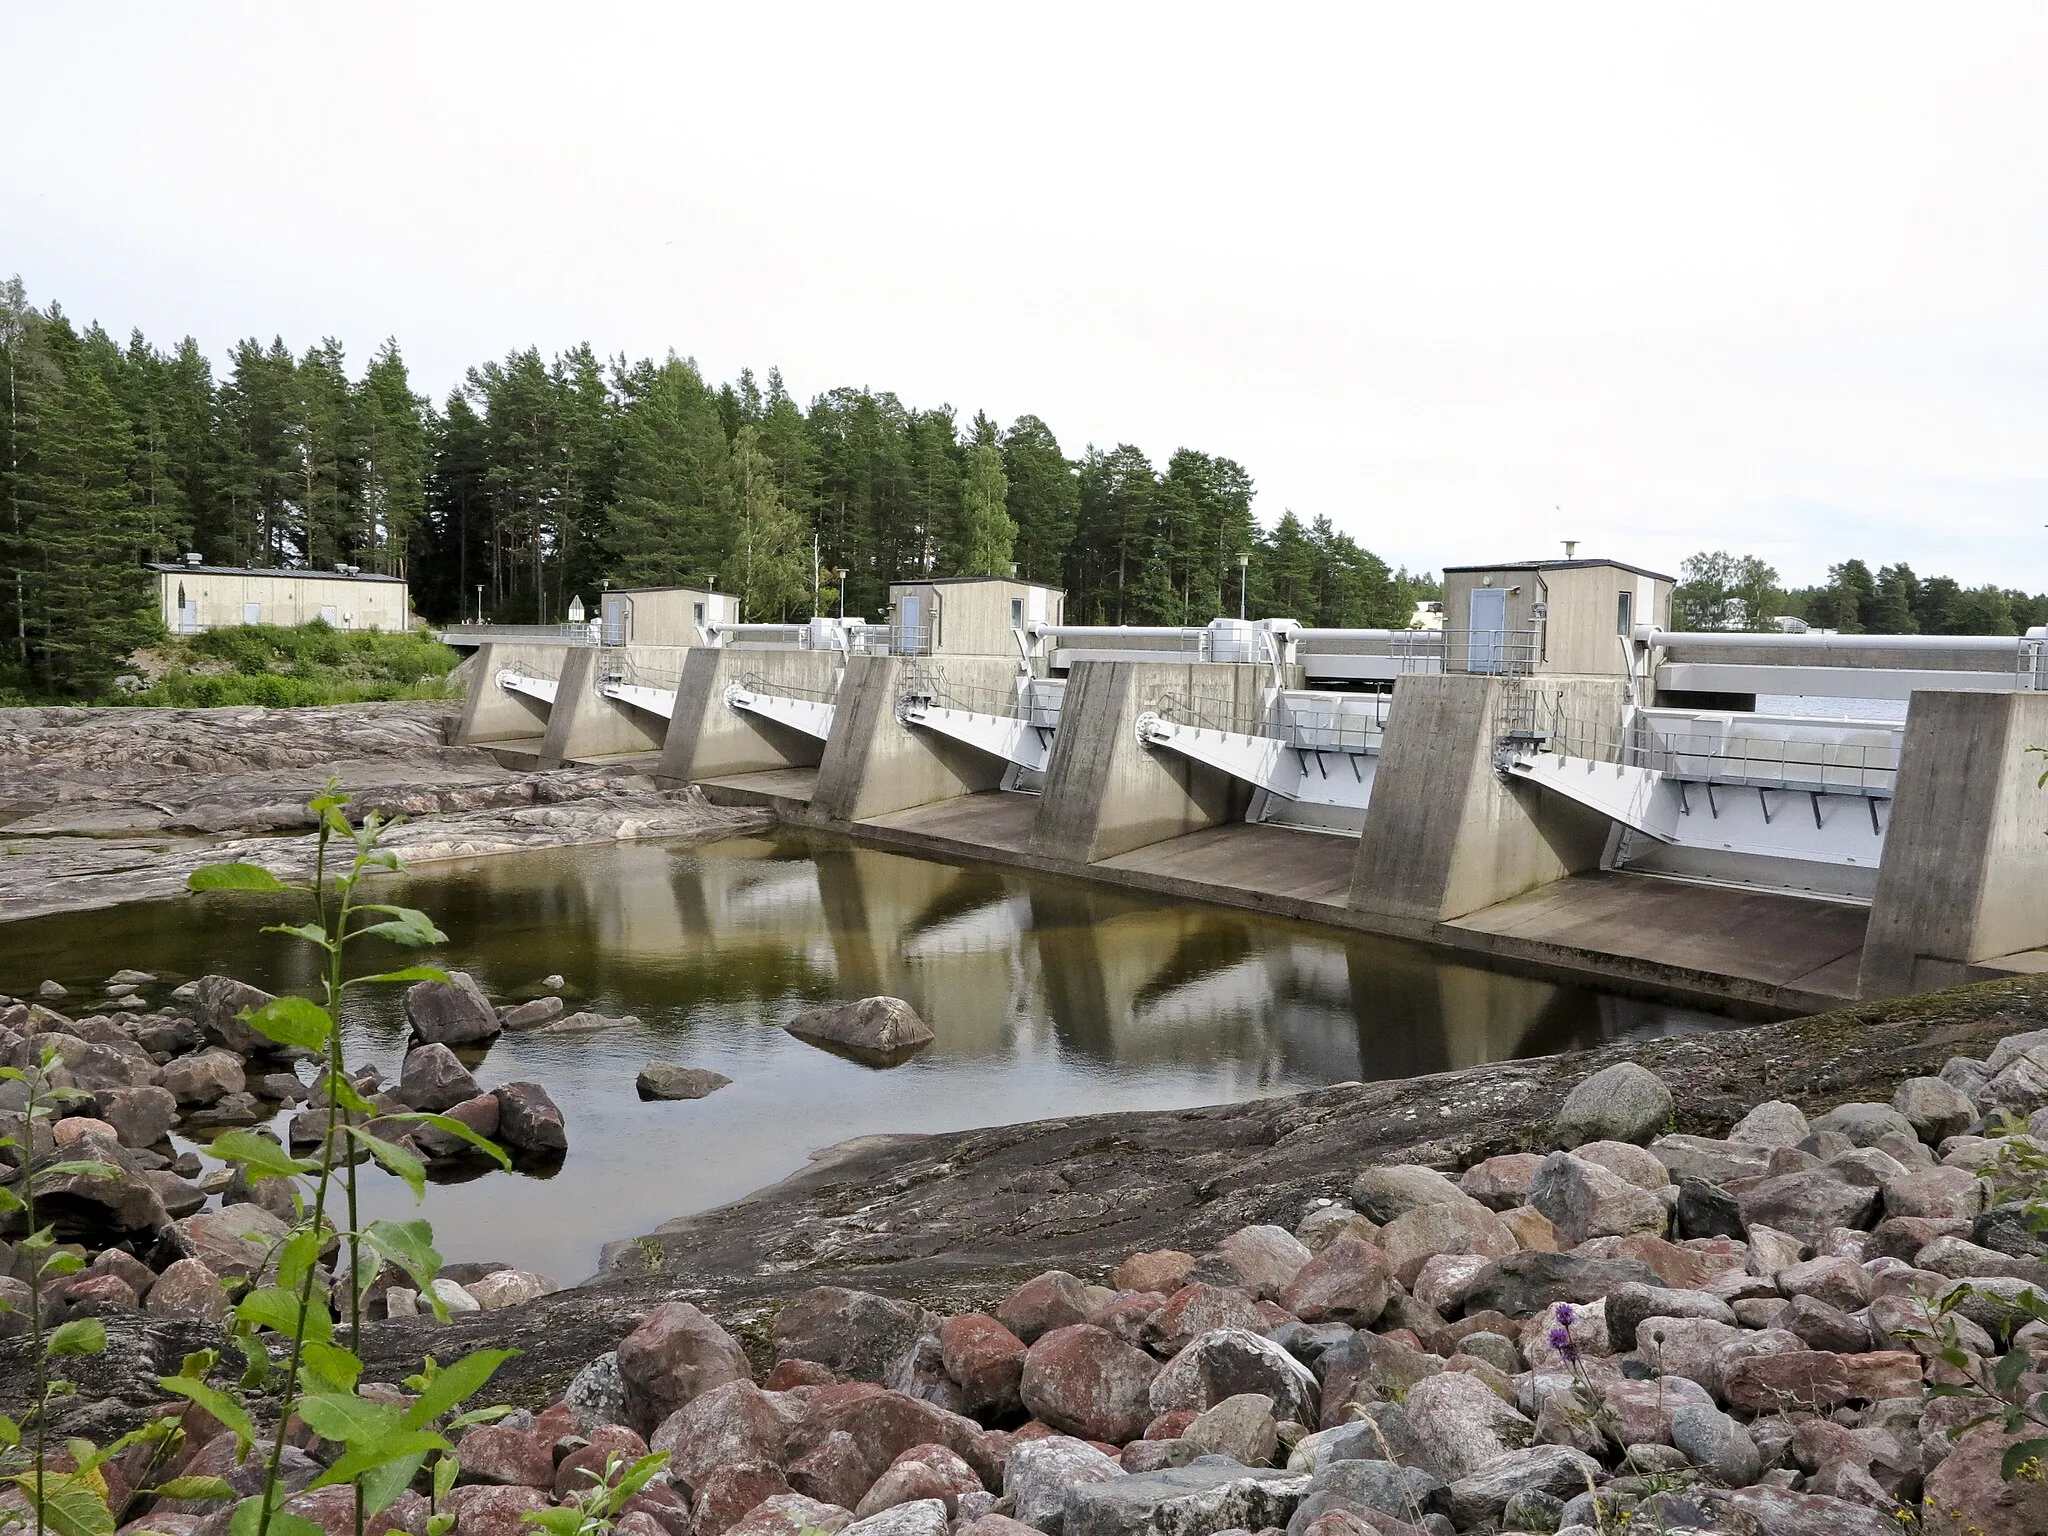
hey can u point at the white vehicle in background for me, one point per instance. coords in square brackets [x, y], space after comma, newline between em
[1428, 615]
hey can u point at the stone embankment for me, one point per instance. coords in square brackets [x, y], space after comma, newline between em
[100, 806]
[1533, 1297]
[160, 1230]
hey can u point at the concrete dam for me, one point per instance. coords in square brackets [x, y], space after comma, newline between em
[1559, 781]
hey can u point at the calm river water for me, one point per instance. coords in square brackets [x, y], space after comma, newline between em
[1049, 997]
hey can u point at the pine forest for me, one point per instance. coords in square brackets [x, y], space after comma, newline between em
[540, 479]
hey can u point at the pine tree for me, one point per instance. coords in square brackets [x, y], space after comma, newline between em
[85, 594]
[770, 565]
[1044, 501]
[390, 434]
[989, 535]
[669, 524]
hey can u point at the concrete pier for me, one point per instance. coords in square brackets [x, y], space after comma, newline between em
[1963, 890]
[586, 726]
[709, 741]
[1445, 834]
[511, 724]
[875, 764]
[1107, 793]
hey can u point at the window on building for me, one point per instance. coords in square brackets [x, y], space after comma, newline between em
[1622, 614]
[1016, 613]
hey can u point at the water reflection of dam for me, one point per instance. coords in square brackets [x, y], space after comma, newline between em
[1007, 964]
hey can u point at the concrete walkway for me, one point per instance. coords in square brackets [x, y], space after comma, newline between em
[786, 791]
[1760, 946]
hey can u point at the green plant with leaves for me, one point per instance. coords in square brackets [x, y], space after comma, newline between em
[2000, 1388]
[67, 1498]
[385, 1445]
[594, 1510]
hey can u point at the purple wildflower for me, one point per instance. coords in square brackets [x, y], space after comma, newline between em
[1565, 1314]
[1561, 1341]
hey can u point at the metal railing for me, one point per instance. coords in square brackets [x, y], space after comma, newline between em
[548, 634]
[755, 682]
[618, 667]
[931, 687]
[1765, 752]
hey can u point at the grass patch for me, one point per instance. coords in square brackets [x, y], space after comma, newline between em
[282, 668]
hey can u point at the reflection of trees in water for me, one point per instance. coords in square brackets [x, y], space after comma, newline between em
[1005, 963]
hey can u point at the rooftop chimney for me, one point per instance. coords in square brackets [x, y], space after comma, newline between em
[193, 559]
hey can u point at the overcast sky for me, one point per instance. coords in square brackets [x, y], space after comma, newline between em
[1468, 279]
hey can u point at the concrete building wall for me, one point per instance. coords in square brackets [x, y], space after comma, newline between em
[1580, 634]
[489, 713]
[1445, 835]
[971, 616]
[875, 764]
[193, 598]
[585, 723]
[669, 616]
[708, 738]
[1105, 792]
[1965, 871]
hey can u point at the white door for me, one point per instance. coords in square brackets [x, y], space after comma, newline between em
[1487, 641]
[252, 613]
[188, 619]
[908, 641]
[329, 614]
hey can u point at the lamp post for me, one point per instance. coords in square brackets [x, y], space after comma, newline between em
[479, 602]
[1244, 563]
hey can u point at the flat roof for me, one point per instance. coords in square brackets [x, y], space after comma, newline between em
[651, 591]
[1559, 565]
[959, 581]
[303, 573]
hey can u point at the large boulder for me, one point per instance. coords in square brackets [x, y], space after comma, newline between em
[1348, 1282]
[1970, 1483]
[204, 1077]
[1196, 1309]
[80, 1203]
[674, 1357]
[986, 1361]
[1460, 1424]
[1935, 1109]
[1211, 1493]
[1624, 1102]
[1528, 1282]
[141, 1117]
[1584, 1200]
[1809, 1203]
[666, 1080]
[1413, 1238]
[1085, 1381]
[1240, 1427]
[1263, 1260]
[1054, 1299]
[922, 1472]
[480, 1114]
[528, 1120]
[876, 1031]
[1365, 1487]
[433, 1078]
[219, 1002]
[1773, 1123]
[1865, 1124]
[1232, 1361]
[1384, 1192]
[858, 1335]
[733, 1422]
[451, 1012]
[1483, 1494]
[233, 1240]
[188, 1289]
[920, 1517]
[1039, 1475]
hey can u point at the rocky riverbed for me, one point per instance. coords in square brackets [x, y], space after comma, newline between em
[99, 806]
[1688, 1281]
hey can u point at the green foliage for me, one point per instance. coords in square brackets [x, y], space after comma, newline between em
[383, 1447]
[1720, 591]
[294, 667]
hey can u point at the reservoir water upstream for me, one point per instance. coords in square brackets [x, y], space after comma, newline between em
[1049, 997]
